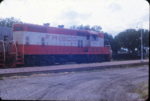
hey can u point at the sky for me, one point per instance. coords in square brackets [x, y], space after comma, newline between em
[113, 16]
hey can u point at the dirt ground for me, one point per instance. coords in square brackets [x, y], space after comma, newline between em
[120, 84]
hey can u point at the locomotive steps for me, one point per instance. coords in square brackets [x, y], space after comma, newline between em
[70, 67]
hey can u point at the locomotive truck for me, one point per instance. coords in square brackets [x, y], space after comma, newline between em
[36, 45]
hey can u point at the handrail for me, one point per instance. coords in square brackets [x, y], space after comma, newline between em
[3, 50]
[15, 48]
[23, 52]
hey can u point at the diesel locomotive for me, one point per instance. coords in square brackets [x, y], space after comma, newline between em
[36, 45]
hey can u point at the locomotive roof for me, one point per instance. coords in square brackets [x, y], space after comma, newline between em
[40, 28]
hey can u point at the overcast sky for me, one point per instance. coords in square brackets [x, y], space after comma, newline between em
[112, 15]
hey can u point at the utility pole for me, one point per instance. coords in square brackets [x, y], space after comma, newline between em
[141, 46]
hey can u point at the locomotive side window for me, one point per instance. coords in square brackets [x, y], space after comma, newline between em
[27, 40]
[80, 43]
[43, 41]
[88, 37]
[94, 38]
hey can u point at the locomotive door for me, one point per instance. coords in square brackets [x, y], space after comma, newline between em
[88, 41]
[88, 44]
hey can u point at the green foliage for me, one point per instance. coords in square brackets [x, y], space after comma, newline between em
[142, 90]
[130, 39]
[60, 26]
[108, 39]
[145, 37]
[96, 28]
[87, 27]
[8, 22]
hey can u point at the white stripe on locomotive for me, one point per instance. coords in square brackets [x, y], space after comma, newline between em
[35, 38]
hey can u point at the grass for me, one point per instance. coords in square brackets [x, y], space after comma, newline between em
[142, 90]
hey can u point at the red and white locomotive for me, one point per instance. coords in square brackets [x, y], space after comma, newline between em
[35, 45]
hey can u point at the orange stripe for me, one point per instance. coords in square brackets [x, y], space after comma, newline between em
[39, 49]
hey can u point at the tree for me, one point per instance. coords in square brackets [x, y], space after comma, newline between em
[8, 22]
[145, 37]
[80, 27]
[87, 27]
[60, 26]
[46, 24]
[108, 39]
[130, 39]
[96, 28]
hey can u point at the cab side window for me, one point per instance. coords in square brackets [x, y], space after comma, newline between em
[94, 37]
[80, 43]
[27, 40]
[43, 41]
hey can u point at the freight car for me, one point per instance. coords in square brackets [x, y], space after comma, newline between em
[35, 45]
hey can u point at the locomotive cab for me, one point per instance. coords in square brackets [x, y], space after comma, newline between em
[108, 46]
